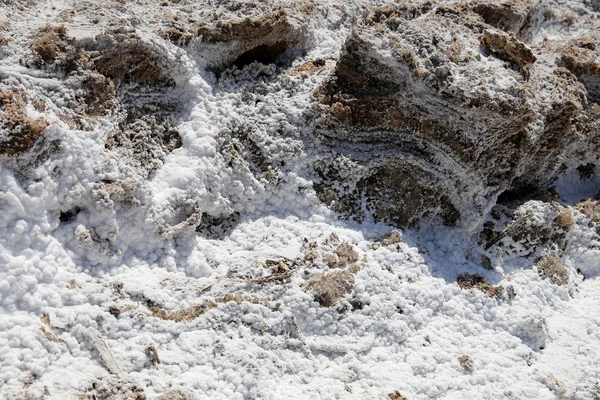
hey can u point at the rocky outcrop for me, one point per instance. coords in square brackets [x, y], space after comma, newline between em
[262, 38]
[582, 57]
[509, 16]
[437, 115]
[243, 33]
[433, 110]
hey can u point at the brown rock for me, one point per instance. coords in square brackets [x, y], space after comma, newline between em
[328, 288]
[509, 16]
[252, 36]
[508, 47]
[426, 128]
[19, 132]
[467, 282]
[396, 395]
[553, 269]
[582, 57]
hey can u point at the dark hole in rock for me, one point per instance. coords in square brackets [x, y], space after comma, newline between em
[68, 216]
[587, 45]
[264, 54]
[586, 171]
[517, 194]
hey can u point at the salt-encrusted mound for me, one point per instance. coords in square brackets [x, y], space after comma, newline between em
[161, 235]
[438, 114]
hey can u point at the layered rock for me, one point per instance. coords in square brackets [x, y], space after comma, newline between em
[243, 33]
[582, 57]
[432, 111]
[439, 114]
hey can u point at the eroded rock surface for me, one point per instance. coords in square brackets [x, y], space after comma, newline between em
[581, 57]
[238, 34]
[438, 114]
